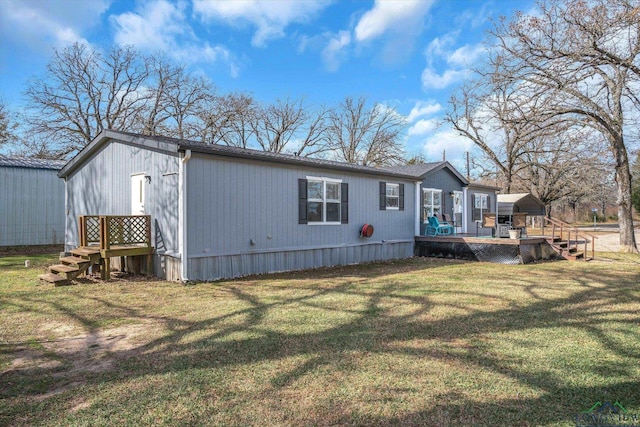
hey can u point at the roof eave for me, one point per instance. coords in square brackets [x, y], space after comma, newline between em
[106, 135]
[297, 161]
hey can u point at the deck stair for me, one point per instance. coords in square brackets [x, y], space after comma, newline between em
[72, 267]
[103, 238]
[565, 239]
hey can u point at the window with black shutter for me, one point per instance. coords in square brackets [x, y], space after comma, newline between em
[323, 201]
[391, 196]
[302, 201]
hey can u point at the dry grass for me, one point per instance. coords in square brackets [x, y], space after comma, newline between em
[414, 342]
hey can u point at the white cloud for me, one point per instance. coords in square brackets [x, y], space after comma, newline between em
[467, 55]
[449, 142]
[161, 25]
[423, 108]
[154, 26]
[397, 16]
[334, 53]
[423, 127]
[270, 17]
[445, 65]
[41, 25]
[432, 80]
[440, 46]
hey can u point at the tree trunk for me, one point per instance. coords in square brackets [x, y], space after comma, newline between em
[625, 210]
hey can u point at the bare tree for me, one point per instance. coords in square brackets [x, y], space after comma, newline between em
[227, 120]
[290, 126]
[84, 92]
[8, 125]
[314, 141]
[635, 182]
[579, 60]
[489, 115]
[174, 100]
[554, 169]
[365, 136]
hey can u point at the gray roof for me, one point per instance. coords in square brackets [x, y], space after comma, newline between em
[175, 145]
[418, 170]
[27, 162]
[421, 170]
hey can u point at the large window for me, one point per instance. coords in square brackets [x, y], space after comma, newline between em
[322, 201]
[431, 202]
[391, 196]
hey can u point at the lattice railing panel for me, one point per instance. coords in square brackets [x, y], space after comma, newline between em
[92, 227]
[89, 230]
[128, 230]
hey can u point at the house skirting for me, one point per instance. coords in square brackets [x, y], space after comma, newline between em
[502, 251]
[222, 266]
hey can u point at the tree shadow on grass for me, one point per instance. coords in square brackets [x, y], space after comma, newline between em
[373, 326]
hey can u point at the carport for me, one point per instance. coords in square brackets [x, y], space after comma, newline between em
[508, 204]
[513, 210]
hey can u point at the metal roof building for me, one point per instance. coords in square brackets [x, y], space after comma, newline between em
[31, 202]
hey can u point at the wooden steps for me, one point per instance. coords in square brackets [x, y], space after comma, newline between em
[85, 252]
[63, 268]
[565, 250]
[73, 260]
[55, 279]
[566, 239]
[71, 266]
[82, 258]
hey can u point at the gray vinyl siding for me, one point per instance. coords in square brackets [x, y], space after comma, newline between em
[472, 226]
[102, 186]
[232, 202]
[446, 181]
[31, 207]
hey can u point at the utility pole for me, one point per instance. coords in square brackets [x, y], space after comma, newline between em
[468, 172]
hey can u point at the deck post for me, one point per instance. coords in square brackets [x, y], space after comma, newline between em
[105, 270]
[149, 265]
[82, 231]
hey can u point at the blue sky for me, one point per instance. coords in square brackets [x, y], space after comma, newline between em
[410, 55]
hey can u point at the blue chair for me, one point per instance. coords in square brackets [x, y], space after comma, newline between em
[436, 229]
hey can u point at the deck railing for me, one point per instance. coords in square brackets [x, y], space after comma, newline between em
[560, 228]
[89, 229]
[115, 230]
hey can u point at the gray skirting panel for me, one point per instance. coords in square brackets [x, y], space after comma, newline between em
[489, 250]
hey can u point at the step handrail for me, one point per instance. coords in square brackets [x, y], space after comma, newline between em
[563, 225]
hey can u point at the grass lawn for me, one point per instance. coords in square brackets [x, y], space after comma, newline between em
[413, 342]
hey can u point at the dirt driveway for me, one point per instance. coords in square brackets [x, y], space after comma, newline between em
[610, 242]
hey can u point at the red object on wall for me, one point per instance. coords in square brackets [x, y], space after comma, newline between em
[366, 231]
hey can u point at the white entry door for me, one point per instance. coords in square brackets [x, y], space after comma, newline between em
[137, 194]
[458, 200]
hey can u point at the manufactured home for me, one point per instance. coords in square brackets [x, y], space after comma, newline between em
[198, 212]
[218, 211]
[31, 202]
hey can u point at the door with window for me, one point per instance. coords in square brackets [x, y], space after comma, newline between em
[431, 203]
[137, 194]
[457, 209]
[480, 206]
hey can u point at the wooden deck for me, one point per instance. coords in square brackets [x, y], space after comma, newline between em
[101, 239]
